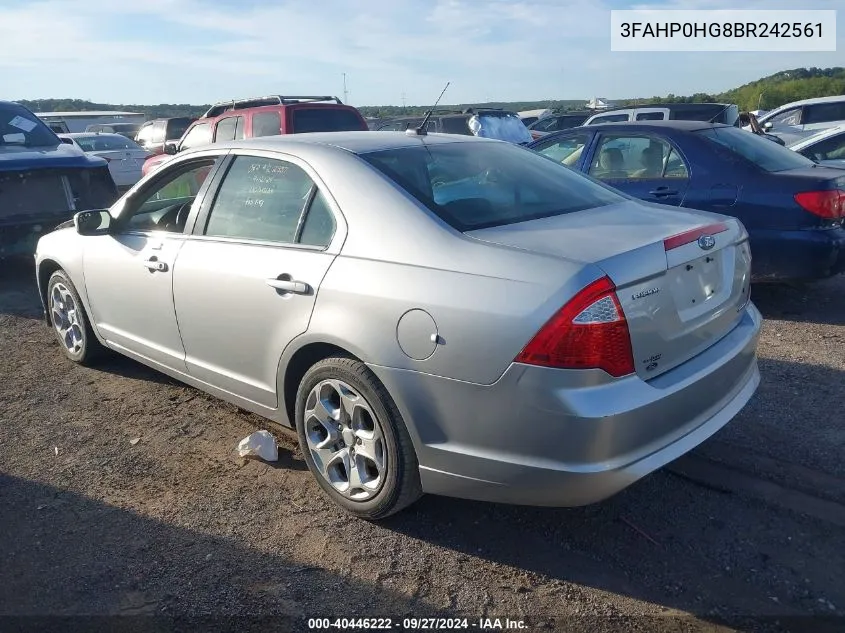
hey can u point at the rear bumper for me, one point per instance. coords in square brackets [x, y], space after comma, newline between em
[797, 255]
[551, 438]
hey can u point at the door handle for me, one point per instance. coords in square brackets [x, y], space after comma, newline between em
[153, 265]
[289, 285]
[663, 191]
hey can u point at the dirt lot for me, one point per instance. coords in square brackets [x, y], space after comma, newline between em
[750, 528]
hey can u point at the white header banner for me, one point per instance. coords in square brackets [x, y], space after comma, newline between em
[719, 31]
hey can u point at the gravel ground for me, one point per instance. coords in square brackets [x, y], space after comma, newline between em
[176, 524]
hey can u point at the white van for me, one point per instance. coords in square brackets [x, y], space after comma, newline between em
[726, 113]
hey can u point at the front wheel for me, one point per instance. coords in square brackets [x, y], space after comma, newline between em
[354, 440]
[70, 322]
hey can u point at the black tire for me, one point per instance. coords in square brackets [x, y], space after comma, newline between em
[401, 486]
[90, 350]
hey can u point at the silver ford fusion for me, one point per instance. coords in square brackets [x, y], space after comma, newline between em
[432, 314]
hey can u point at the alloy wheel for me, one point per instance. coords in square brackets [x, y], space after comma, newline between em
[345, 439]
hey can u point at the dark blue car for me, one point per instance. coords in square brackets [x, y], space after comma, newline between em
[792, 207]
[43, 181]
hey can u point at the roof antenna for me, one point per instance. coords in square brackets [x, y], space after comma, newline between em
[420, 131]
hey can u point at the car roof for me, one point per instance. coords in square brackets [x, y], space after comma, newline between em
[668, 106]
[357, 142]
[688, 126]
[813, 101]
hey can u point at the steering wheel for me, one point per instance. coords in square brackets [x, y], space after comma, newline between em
[180, 218]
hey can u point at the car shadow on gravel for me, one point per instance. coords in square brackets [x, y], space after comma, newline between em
[119, 365]
[821, 302]
[18, 290]
[664, 541]
[65, 554]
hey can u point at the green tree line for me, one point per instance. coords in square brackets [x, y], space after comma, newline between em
[766, 93]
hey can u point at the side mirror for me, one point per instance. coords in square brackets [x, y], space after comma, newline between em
[170, 148]
[92, 222]
[768, 125]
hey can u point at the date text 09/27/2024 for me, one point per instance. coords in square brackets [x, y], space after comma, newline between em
[415, 624]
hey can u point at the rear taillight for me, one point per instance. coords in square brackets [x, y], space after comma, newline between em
[589, 332]
[828, 204]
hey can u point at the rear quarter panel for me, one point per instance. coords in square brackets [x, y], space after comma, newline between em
[487, 301]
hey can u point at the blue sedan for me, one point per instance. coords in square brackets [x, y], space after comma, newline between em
[792, 207]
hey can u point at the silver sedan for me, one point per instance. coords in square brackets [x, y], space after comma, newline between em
[439, 314]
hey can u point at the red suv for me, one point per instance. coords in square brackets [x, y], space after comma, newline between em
[263, 116]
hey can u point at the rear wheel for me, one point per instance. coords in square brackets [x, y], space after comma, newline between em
[70, 322]
[354, 439]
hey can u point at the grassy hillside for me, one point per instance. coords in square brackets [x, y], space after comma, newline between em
[766, 93]
[770, 92]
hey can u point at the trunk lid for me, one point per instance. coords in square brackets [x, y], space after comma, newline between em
[679, 296]
[123, 160]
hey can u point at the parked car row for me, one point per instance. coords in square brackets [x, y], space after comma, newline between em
[792, 207]
[382, 290]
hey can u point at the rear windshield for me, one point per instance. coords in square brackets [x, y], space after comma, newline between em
[767, 155]
[100, 143]
[326, 120]
[20, 128]
[479, 185]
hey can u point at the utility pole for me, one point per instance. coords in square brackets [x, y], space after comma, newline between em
[345, 92]
[403, 102]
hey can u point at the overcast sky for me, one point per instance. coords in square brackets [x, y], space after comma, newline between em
[187, 51]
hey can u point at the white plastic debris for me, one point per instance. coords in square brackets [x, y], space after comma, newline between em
[260, 444]
[134, 440]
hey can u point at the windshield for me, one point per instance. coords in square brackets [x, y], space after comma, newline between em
[104, 143]
[472, 185]
[762, 152]
[20, 128]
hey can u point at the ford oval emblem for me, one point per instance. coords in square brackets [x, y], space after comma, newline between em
[706, 242]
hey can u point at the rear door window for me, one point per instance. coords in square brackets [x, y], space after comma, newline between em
[229, 129]
[326, 120]
[266, 124]
[270, 200]
[621, 157]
